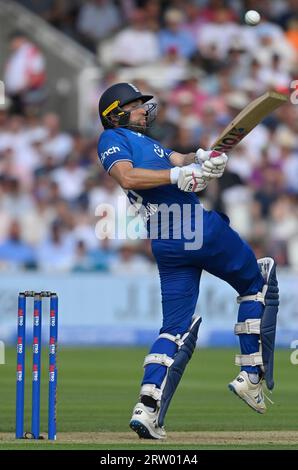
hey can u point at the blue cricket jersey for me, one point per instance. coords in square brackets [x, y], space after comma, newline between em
[121, 144]
[219, 250]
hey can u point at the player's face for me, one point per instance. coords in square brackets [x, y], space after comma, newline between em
[137, 114]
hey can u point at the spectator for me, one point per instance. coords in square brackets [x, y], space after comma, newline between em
[70, 179]
[57, 144]
[283, 226]
[14, 252]
[289, 12]
[239, 162]
[40, 216]
[57, 252]
[191, 86]
[82, 261]
[185, 114]
[162, 128]
[292, 33]
[96, 20]
[220, 33]
[141, 43]
[269, 191]
[169, 70]
[83, 231]
[274, 76]
[175, 36]
[153, 13]
[194, 18]
[289, 163]
[22, 154]
[260, 168]
[25, 74]
[16, 200]
[184, 139]
[49, 175]
[273, 41]
[129, 262]
[4, 108]
[103, 255]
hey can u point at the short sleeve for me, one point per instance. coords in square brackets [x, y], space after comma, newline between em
[113, 148]
[168, 153]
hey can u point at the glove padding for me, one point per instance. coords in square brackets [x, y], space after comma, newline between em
[191, 179]
[211, 167]
[215, 167]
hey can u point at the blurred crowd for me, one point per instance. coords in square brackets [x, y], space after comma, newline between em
[203, 64]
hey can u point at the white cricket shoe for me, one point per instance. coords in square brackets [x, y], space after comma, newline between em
[251, 393]
[144, 423]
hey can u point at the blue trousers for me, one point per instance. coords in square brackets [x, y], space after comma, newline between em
[223, 254]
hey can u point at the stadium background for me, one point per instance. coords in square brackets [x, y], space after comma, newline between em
[203, 64]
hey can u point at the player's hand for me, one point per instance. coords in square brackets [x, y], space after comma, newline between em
[191, 179]
[202, 155]
[212, 167]
[215, 167]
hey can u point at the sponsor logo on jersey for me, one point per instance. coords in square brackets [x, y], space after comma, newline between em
[108, 152]
[159, 151]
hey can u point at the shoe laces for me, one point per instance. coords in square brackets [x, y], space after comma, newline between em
[269, 399]
[265, 395]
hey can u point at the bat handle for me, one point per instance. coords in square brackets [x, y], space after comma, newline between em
[215, 153]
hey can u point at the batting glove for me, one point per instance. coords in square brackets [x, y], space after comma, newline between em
[189, 178]
[212, 167]
[202, 155]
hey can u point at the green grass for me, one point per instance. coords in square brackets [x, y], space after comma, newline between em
[113, 447]
[97, 389]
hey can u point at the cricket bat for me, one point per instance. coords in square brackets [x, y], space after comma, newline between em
[247, 120]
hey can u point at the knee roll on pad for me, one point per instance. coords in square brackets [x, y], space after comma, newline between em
[264, 327]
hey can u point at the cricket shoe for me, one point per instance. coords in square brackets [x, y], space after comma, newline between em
[144, 423]
[251, 393]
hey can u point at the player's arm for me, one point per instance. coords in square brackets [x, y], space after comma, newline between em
[211, 167]
[188, 178]
[138, 178]
[180, 159]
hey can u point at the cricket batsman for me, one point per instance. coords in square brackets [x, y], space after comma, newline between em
[158, 178]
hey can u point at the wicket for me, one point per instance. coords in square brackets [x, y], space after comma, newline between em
[36, 366]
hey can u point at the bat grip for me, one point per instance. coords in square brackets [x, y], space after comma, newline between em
[215, 153]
